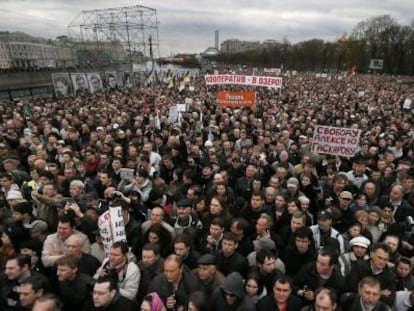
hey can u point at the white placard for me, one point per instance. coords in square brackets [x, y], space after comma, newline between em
[407, 103]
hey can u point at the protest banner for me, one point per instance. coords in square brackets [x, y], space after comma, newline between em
[270, 82]
[111, 227]
[236, 99]
[335, 140]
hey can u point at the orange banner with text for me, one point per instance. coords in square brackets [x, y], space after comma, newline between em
[236, 99]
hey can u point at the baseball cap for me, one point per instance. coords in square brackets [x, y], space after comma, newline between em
[346, 195]
[207, 259]
[33, 244]
[293, 182]
[37, 225]
[324, 215]
[184, 203]
[264, 243]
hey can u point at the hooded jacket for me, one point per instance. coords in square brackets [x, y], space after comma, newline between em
[233, 284]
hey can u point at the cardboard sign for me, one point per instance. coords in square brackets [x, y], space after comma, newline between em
[335, 140]
[111, 227]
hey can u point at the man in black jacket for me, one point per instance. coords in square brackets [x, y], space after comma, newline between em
[281, 298]
[228, 258]
[401, 208]
[323, 272]
[176, 283]
[74, 287]
[88, 264]
[150, 265]
[301, 252]
[106, 297]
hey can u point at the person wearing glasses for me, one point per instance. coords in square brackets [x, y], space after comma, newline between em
[118, 266]
[106, 297]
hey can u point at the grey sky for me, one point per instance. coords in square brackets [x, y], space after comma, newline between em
[189, 25]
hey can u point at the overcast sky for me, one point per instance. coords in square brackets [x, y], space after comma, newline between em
[188, 26]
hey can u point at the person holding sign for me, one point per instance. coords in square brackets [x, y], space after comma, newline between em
[117, 266]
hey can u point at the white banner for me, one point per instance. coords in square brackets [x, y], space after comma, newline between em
[336, 140]
[270, 82]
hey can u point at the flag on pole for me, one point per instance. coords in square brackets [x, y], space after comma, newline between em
[28, 110]
[187, 77]
[149, 77]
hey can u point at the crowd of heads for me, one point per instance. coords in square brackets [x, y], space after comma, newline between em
[238, 185]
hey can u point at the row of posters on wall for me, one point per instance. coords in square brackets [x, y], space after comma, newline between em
[68, 84]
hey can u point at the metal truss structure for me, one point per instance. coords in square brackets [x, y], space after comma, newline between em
[112, 36]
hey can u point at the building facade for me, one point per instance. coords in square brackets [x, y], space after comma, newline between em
[233, 46]
[5, 60]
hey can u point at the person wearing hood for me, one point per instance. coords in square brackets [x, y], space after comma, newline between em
[230, 296]
[152, 302]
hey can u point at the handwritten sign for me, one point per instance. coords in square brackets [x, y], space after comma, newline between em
[335, 140]
[111, 227]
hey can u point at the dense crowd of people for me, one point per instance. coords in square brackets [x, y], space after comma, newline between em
[224, 208]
